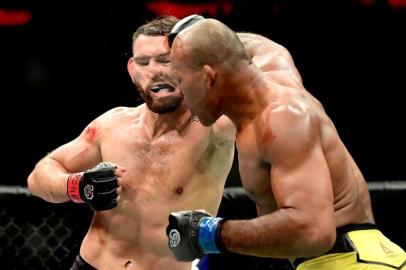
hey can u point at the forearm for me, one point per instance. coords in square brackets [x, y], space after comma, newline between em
[284, 233]
[48, 181]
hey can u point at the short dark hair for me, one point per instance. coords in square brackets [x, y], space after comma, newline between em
[160, 26]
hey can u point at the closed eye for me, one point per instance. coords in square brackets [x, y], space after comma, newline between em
[142, 61]
[163, 60]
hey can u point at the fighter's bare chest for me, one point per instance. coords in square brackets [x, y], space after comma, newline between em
[160, 157]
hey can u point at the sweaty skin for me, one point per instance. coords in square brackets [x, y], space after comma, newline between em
[271, 58]
[292, 161]
[166, 162]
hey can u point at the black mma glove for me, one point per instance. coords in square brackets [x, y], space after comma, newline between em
[97, 187]
[181, 25]
[191, 234]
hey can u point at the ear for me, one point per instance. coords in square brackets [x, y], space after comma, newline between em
[211, 76]
[130, 65]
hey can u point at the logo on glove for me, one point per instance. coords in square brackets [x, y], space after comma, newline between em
[88, 191]
[174, 238]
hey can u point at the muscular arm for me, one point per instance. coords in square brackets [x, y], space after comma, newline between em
[303, 224]
[272, 58]
[49, 177]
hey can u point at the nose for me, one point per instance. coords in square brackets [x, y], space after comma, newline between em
[155, 67]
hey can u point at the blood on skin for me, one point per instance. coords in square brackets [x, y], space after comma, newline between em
[267, 137]
[90, 132]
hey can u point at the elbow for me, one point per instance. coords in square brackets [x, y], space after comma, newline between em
[319, 240]
[31, 182]
[313, 237]
[323, 242]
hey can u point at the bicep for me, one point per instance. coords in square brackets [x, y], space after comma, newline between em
[304, 184]
[79, 154]
[300, 176]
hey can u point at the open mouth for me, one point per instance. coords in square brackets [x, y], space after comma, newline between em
[162, 88]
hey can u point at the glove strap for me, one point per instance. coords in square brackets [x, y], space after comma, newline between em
[208, 227]
[73, 187]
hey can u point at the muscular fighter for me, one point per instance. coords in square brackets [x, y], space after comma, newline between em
[134, 166]
[312, 200]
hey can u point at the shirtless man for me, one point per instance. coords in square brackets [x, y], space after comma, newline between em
[161, 159]
[312, 201]
[272, 58]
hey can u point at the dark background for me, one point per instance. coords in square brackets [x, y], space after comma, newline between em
[63, 63]
[67, 64]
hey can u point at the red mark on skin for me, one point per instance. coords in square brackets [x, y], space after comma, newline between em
[90, 132]
[267, 137]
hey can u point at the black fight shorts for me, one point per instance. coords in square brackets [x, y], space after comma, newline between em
[81, 264]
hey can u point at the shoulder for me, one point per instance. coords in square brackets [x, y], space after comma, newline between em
[290, 110]
[113, 118]
[294, 127]
[120, 113]
[291, 114]
[255, 42]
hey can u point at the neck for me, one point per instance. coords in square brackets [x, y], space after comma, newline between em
[159, 124]
[245, 97]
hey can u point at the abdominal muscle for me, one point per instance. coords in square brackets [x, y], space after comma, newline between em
[132, 236]
[166, 174]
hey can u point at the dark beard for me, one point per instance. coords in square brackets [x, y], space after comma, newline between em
[168, 105]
